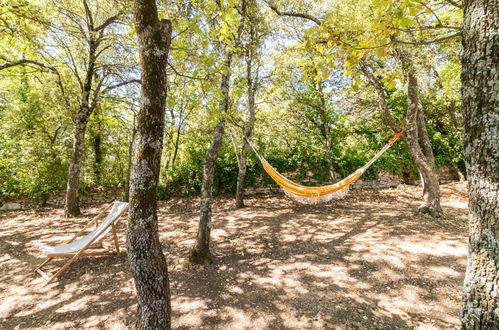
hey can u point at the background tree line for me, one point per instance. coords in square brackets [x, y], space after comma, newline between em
[72, 103]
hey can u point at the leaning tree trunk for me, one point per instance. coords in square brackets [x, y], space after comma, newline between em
[420, 148]
[480, 97]
[148, 263]
[200, 253]
[416, 136]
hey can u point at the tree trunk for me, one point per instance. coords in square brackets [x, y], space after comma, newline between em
[72, 207]
[458, 172]
[201, 250]
[420, 147]
[97, 157]
[252, 86]
[148, 263]
[452, 114]
[480, 95]
[416, 134]
[175, 149]
[329, 155]
[126, 197]
[327, 134]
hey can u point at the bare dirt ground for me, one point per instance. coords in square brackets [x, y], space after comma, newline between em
[364, 262]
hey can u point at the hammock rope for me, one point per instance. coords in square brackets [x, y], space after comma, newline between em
[314, 195]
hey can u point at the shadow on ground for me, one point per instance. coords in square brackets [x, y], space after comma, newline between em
[365, 262]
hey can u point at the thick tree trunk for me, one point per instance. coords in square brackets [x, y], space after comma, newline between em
[480, 95]
[242, 166]
[423, 137]
[148, 263]
[201, 250]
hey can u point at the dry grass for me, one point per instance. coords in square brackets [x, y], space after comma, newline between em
[364, 262]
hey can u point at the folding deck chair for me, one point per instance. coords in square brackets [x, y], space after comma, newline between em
[75, 248]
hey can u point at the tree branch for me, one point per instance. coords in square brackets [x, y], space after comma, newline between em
[380, 91]
[426, 42]
[123, 83]
[182, 74]
[431, 11]
[52, 69]
[293, 14]
[454, 3]
[88, 13]
[108, 22]
[9, 64]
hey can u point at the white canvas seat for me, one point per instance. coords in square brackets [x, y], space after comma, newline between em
[76, 247]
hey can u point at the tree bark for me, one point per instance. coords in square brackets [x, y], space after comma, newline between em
[420, 147]
[126, 197]
[175, 148]
[480, 100]
[148, 263]
[97, 157]
[327, 134]
[416, 134]
[93, 35]
[201, 251]
[251, 90]
[72, 207]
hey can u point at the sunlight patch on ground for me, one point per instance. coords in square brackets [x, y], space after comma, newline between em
[433, 248]
[366, 263]
[456, 204]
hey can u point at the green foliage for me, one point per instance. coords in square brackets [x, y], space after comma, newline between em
[32, 154]
[314, 107]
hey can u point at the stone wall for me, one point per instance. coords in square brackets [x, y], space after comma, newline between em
[93, 196]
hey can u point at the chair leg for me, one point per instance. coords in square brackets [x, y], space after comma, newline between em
[39, 269]
[44, 263]
[66, 265]
[115, 235]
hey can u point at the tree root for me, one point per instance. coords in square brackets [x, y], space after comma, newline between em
[201, 258]
[432, 211]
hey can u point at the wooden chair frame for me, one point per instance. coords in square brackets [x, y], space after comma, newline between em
[92, 244]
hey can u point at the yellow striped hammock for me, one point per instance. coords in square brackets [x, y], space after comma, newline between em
[323, 194]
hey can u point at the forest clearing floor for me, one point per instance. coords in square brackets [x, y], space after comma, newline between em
[364, 262]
